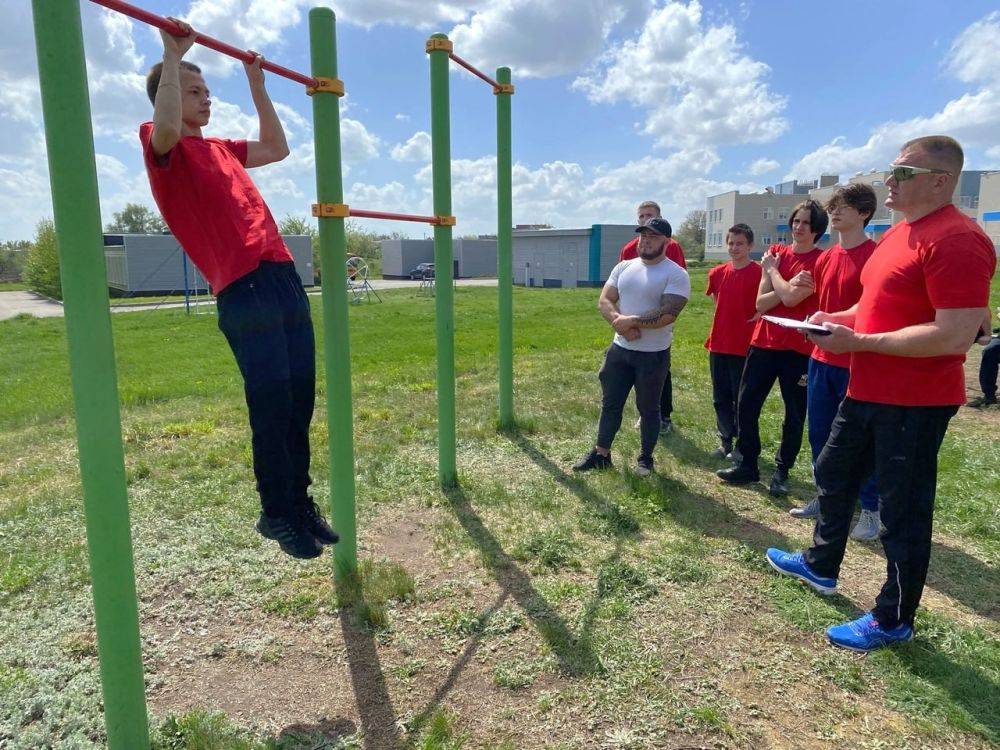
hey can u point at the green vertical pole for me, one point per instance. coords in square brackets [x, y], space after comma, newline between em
[505, 259]
[69, 138]
[443, 266]
[333, 254]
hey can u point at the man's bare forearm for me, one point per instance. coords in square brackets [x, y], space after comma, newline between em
[669, 309]
[925, 340]
[167, 106]
[789, 294]
[272, 134]
[609, 310]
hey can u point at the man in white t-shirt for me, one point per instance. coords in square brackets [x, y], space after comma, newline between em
[641, 300]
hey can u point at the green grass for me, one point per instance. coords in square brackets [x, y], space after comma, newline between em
[12, 286]
[549, 609]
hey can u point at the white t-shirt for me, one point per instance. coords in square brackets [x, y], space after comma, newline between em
[640, 287]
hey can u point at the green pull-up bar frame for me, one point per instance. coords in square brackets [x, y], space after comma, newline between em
[76, 208]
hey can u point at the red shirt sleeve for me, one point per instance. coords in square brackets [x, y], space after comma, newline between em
[957, 271]
[712, 286]
[676, 253]
[152, 160]
[237, 149]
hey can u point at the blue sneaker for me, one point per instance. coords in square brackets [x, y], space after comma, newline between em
[865, 634]
[792, 564]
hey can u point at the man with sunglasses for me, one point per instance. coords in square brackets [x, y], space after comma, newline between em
[925, 293]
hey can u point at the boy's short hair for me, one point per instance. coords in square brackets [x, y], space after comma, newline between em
[153, 77]
[858, 196]
[743, 229]
[650, 204]
[818, 220]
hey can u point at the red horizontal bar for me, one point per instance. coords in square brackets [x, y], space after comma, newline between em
[362, 214]
[205, 41]
[475, 71]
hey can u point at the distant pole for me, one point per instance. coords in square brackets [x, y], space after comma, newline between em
[69, 138]
[443, 265]
[505, 260]
[187, 288]
[333, 253]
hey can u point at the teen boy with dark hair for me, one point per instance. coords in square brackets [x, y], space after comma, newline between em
[733, 288]
[786, 290]
[838, 287]
[213, 208]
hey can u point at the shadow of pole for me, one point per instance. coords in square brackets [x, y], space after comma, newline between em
[375, 710]
[575, 657]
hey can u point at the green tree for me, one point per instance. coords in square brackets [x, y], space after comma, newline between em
[691, 235]
[42, 269]
[136, 219]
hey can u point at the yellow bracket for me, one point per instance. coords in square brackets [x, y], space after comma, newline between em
[437, 45]
[326, 86]
[504, 88]
[326, 210]
[445, 221]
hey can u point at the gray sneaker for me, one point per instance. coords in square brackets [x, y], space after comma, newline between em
[644, 466]
[810, 510]
[868, 526]
[735, 456]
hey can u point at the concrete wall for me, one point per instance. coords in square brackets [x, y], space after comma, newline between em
[473, 258]
[476, 258]
[154, 263]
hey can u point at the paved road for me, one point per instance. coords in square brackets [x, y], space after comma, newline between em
[17, 303]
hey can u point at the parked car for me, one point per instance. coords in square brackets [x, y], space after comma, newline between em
[422, 271]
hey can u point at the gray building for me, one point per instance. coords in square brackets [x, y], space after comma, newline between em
[989, 206]
[765, 213]
[568, 257]
[156, 264]
[472, 258]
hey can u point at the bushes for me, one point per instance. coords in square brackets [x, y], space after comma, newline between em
[42, 269]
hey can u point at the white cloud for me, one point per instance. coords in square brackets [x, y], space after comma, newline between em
[762, 166]
[357, 143]
[541, 39]
[973, 118]
[417, 148]
[402, 118]
[694, 80]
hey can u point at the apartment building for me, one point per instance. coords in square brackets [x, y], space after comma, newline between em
[989, 206]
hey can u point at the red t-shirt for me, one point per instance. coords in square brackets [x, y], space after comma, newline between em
[674, 251]
[770, 336]
[212, 206]
[939, 262]
[735, 304]
[838, 287]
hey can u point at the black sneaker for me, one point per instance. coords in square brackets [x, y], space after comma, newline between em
[739, 474]
[644, 466]
[291, 535]
[317, 525]
[779, 483]
[593, 460]
[982, 401]
[666, 425]
[722, 451]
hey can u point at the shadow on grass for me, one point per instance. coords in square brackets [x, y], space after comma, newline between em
[377, 715]
[317, 735]
[967, 687]
[965, 579]
[574, 654]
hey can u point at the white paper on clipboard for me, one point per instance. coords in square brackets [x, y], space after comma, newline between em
[798, 325]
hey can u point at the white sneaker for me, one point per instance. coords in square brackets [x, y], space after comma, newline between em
[638, 423]
[809, 510]
[868, 526]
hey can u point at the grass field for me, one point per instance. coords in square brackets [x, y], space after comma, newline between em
[530, 608]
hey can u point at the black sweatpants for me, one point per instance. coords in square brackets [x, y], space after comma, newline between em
[989, 366]
[726, 371]
[622, 370]
[762, 368]
[900, 444]
[265, 317]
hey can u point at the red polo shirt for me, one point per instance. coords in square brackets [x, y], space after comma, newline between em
[771, 336]
[838, 287]
[674, 251]
[212, 206]
[939, 262]
[735, 304]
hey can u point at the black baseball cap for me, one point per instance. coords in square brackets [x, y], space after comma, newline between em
[658, 225]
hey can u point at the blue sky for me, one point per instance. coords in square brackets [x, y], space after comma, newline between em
[617, 100]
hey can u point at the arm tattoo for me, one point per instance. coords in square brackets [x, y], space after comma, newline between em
[670, 304]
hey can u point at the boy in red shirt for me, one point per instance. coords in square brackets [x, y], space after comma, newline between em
[926, 293]
[786, 290]
[651, 210]
[838, 284]
[213, 208]
[733, 288]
